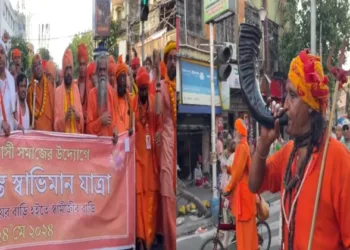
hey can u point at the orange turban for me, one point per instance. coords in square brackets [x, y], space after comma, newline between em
[36, 57]
[142, 77]
[111, 59]
[121, 67]
[307, 76]
[240, 127]
[82, 53]
[112, 68]
[44, 64]
[67, 60]
[135, 63]
[50, 68]
[169, 46]
[16, 53]
[91, 69]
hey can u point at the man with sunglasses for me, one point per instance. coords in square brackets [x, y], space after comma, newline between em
[346, 133]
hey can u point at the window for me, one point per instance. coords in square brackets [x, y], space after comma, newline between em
[194, 16]
[225, 30]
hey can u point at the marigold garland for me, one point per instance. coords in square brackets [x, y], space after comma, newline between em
[71, 98]
[172, 93]
[39, 113]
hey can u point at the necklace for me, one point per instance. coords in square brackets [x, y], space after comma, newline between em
[172, 95]
[143, 113]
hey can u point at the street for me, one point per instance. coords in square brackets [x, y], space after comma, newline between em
[186, 239]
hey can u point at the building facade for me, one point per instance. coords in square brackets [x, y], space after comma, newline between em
[11, 20]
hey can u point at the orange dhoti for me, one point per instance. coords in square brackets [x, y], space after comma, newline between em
[246, 235]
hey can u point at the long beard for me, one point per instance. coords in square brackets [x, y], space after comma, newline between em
[102, 96]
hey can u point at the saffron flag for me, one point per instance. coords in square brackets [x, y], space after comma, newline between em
[62, 191]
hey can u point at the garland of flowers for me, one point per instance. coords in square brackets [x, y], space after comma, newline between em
[172, 93]
[40, 112]
[71, 98]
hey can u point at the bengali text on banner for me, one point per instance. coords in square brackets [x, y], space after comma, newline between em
[66, 192]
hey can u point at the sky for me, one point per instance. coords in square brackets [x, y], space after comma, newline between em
[66, 18]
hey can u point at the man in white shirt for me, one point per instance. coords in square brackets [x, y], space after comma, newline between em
[7, 95]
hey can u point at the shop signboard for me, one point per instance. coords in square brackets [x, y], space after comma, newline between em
[101, 18]
[195, 81]
[216, 10]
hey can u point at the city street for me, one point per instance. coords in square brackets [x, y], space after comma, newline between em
[191, 241]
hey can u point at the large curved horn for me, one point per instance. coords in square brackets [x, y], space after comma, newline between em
[248, 50]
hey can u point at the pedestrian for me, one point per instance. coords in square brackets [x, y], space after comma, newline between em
[43, 110]
[51, 72]
[22, 118]
[243, 201]
[100, 110]
[7, 95]
[294, 170]
[147, 163]
[346, 133]
[122, 99]
[165, 107]
[68, 110]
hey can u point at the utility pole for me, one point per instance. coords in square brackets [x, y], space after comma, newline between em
[313, 27]
[143, 17]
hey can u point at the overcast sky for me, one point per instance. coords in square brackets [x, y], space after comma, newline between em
[66, 18]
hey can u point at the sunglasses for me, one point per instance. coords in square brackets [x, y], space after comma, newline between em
[345, 127]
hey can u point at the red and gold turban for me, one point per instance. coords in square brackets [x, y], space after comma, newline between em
[171, 45]
[44, 64]
[241, 128]
[67, 60]
[121, 67]
[16, 53]
[142, 77]
[82, 53]
[91, 69]
[50, 68]
[135, 63]
[307, 76]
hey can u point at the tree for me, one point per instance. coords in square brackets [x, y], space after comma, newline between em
[21, 44]
[115, 33]
[45, 54]
[335, 27]
[85, 38]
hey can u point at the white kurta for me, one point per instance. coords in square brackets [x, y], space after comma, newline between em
[8, 91]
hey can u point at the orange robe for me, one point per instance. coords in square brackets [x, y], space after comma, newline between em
[333, 216]
[168, 170]
[147, 174]
[44, 105]
[62, 99]
[84, 96]
[243, 201]
[123, 111]
[94, 125]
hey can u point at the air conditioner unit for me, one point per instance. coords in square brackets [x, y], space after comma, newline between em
[233, 49]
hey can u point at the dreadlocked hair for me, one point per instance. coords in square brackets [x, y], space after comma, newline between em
[313, 141]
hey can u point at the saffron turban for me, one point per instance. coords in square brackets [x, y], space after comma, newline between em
[307, 76]
[16, 53]
[67, 60]
[91, 69]
[121, 67]
[169, 46]
[241, 128]
[111, 59]
[135, 63]
[44, 64]
[142, 77]
[36, 57]
[50, 68]
[82, 53]
[112, 67]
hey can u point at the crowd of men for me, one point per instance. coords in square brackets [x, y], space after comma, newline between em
[107, 99]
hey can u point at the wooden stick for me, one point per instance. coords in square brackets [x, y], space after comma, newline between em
[323, 163]
[34, 100]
